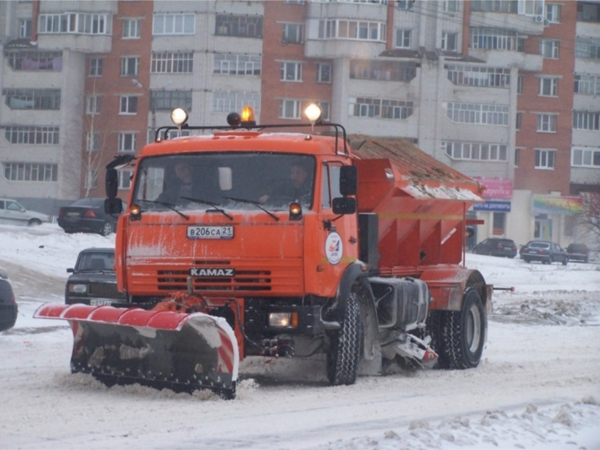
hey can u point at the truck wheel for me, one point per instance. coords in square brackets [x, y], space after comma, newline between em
[458, 336]
[344, 347]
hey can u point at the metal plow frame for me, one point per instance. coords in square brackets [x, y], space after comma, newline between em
[183, 352]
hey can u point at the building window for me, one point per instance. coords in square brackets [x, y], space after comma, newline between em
[352, 29]
[496, 39]
[544, 158]
[294, 2]
[289, 108]
[229, 64]
[494, 6]
[546, 123]
[132, 28]
[37, 99]
[479, 76]
[34, 60]
[553, 12]
[169, 24]
[588, 12]
[549, 48]
[403, 38]
[475, 151]
[517, 156]
[130, 66]
[30, 171]
[126, 142]
[93, 104]
[405, 5]
[240, 26]
[96, 67]
[91, 179]
[162, 100]
[587, 84]
[518, 119]
[548, 86]
[449, 41]
[128, 104]
[498, 223]
[451, 6]
[74, 23]
[325, 109]
[125, 179]
[382, 70]
[323, 73]
[587, 47]
[586, 120]
[291, 71]
[379, 108]
[24, 28]
[478, 113]
[520, 84]
[227, 101]
[172, 62]
[293, 32]
[32, 135]
[585, 157]
[92, 142]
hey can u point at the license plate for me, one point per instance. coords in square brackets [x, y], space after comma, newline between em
[102, 301]
[195, 232]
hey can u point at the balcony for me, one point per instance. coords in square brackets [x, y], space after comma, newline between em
[530, 25]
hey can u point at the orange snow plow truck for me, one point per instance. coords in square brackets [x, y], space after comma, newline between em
[244, 241]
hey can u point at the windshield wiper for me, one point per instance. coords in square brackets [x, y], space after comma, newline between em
[252, 202]
[168, 205]
[211, 204]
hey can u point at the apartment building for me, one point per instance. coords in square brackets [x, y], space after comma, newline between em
[503, 90]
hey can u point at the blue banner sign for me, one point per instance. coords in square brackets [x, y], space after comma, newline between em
[496, 206]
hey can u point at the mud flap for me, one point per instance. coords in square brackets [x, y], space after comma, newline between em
[180, 351]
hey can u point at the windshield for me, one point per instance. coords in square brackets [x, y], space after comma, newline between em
[225, 180]
[96, 261]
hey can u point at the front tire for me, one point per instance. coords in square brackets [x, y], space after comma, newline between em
[344, 346]
[459, 336]
[34, 223]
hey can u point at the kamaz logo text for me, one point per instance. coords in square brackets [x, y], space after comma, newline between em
[212, 272]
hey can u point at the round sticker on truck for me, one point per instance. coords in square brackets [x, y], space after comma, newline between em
[334, 248]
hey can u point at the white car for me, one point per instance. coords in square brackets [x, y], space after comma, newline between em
[11, 212]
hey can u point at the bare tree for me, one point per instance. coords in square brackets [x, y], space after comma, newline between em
[590, 215]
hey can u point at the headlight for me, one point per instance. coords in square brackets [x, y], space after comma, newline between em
[78, 288]
[283, 320]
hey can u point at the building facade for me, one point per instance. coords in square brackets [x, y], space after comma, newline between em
[503, 90]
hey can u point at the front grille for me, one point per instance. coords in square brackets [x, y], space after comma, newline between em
[244, 280]
[103, 290]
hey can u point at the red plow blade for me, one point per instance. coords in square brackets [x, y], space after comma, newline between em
[169, 349]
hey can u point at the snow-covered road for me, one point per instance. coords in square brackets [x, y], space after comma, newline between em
[537, 387]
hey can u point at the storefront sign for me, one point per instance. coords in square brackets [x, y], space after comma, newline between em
[495, 206]
[496, 187]
[551, 204]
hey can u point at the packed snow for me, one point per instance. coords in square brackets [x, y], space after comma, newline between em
[537, 387]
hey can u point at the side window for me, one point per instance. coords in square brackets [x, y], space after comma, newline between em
[331, 184]
[12, 206]
[1, 204]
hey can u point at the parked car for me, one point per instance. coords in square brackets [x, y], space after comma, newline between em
[87, 215]
[93, 280]
[496, 247]
[8, 304]
[544, 251]
[578, 252]
[12, 212]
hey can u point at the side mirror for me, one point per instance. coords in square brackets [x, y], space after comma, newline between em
[111, 183]
[348, 180]
[113, 206]
[344, 205]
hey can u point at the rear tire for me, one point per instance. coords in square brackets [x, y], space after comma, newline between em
[565, 261]
[459, 336]
[344, 346]
[106, 229]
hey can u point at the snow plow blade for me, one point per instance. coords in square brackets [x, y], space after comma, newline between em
[183, 352]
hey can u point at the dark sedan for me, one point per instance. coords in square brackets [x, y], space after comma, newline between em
[578, 252]
[8, 305]
[87, 215]
[496, 247]
[93, 280]
[545, 252]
